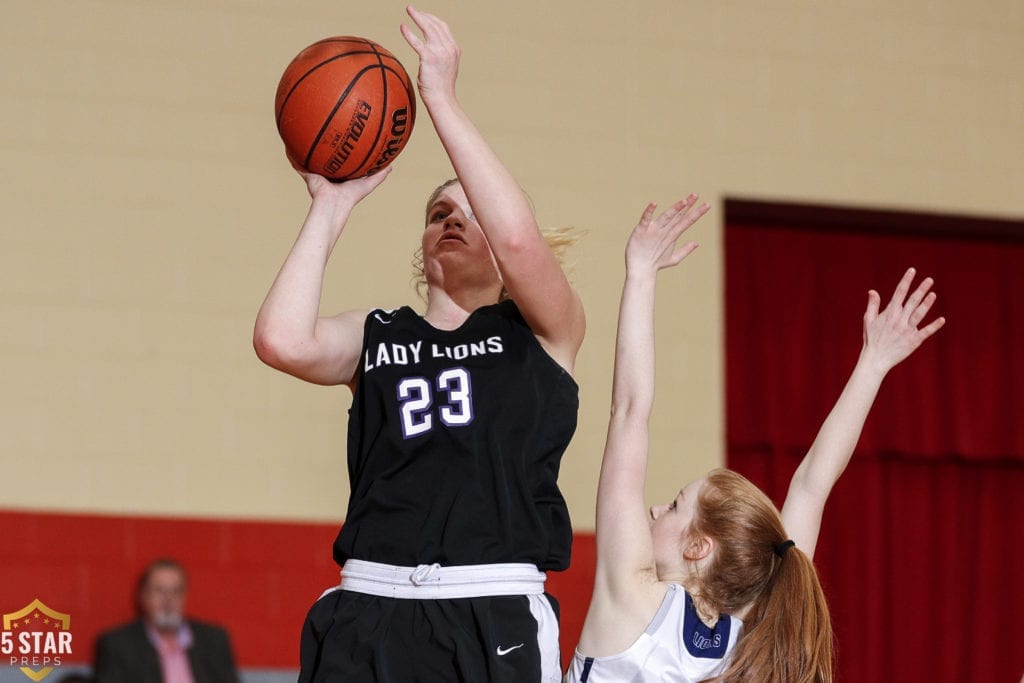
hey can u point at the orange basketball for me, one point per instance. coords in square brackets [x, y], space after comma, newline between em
[345, 107]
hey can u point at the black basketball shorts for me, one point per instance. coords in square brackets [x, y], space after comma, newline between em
[354, 637]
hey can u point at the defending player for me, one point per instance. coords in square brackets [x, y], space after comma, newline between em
[717, 585]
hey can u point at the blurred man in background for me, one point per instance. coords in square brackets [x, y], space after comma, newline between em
[163, 646]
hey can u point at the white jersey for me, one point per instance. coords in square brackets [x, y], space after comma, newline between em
[677, 646]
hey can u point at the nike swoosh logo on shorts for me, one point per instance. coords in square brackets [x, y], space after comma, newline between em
[502, 651]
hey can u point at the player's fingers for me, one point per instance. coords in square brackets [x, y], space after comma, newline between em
[417, 16]
[931, 328]
[410, 37]
[672, 213]
[693, 213]
[917, 296]
[900, 293]
[645, 217]
[434, 28]
[921, 310]
[681, 209]
[682, 252]
[874, 300]
[380, 174]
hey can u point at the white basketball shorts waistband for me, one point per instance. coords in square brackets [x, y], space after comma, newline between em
[434, 582]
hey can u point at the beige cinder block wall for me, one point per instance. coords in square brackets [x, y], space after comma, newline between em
[147, 205]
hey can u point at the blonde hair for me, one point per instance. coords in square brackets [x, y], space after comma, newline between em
[559, 241]
[787, 636]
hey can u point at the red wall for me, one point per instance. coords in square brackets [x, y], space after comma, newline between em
[256, 578]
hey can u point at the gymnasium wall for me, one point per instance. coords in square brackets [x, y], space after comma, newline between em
[147, 205]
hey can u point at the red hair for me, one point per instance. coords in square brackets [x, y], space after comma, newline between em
[787, 636]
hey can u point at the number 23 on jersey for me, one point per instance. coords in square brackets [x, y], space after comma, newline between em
[448, 398]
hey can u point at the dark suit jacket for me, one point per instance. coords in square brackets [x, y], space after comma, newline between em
[125, 655]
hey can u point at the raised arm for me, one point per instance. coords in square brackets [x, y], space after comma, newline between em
[289, 334]
[889, 336]
[625, 553]
[529, 269]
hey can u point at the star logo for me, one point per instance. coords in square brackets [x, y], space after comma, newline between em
[35, 638]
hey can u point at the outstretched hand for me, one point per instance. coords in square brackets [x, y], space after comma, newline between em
[652, 244]
[893, 334]
[438, 53]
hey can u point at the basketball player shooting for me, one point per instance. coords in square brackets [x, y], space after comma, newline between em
[459, 420]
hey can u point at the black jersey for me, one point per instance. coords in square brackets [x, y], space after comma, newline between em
[454, 444]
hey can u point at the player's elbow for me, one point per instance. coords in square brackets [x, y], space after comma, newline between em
[521, 244]
[631, 411]
[811, 486]
[276, 348]
[267, 348]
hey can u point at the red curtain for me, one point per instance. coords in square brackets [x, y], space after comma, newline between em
[922, 544]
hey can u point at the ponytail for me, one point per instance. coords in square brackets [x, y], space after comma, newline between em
[787, 632]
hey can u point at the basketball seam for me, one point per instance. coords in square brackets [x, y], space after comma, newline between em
[284, 102]
[370, 50]
[383, 112]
